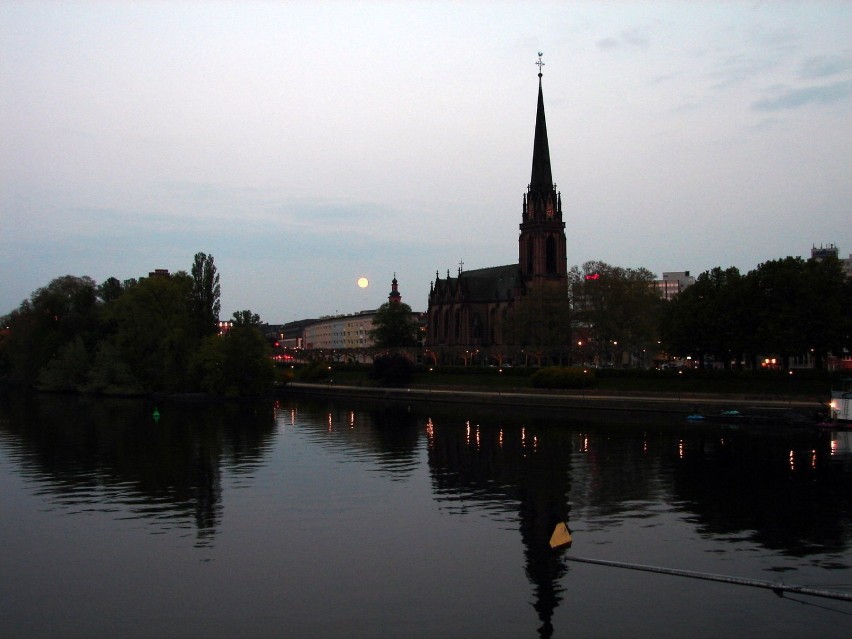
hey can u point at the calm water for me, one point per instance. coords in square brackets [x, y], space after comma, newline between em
[305, 519]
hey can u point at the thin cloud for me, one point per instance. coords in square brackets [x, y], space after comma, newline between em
[736, 69]
[635, 38]
[797, 98]
[628, 38]
[608, 43]
[824, 66]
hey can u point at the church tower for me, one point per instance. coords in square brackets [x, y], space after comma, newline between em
[541, 245]
[468, 313]
[395, 297]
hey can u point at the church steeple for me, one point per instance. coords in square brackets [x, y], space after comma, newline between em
[541, 245]
[541, 180]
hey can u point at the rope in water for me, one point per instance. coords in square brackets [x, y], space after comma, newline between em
[778, 589]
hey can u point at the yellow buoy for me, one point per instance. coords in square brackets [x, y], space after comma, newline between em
[561, 535]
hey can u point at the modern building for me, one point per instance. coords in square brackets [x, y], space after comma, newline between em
[674, 282]
[831, 250]
[466, 311]
[824, 252]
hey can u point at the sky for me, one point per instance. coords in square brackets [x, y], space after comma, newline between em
[307, 144]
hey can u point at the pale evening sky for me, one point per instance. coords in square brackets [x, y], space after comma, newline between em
[307, 144]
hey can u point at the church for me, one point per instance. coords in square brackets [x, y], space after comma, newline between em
[467, 313]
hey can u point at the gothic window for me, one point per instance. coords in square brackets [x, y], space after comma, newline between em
[477, 327]
[550, 254]
[457, 326]
[530, 253]
[446, 323]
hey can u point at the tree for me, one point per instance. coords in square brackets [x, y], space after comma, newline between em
[711, 317]
[827, 325]
[393, 369]
[800, 307]
[780, 304]
[110, 290]
[205, 295]
[237, 364]
[246, 318]
[68, 370]
[155, 331]
[619, 307]
[394, 326]
[40, 328]
[540, 323]
[110, 373]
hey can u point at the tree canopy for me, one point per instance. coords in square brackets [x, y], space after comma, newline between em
[539, 323]
[618, 308]
[157, 333]
[786, 307]
[394, 326]
[205, 294]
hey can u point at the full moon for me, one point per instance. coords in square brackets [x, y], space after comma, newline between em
[363, 282]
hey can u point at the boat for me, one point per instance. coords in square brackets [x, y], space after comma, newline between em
[757, 416]
[841, 402]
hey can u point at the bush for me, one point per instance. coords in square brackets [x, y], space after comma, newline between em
[393, 369]
[563, 377]
[68, 371]
[284, 374]
[314, 372]
[236, 364]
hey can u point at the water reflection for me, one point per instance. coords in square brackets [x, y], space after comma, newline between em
[519, 468]
[787, 491]
[112, 456]
[387, 436]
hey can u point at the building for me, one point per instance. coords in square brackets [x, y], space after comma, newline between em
[831, 250]
[466, 311]
[674, 282]
[341, 337]
[824, 252]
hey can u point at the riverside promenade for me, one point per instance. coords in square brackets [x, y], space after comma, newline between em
[681, 405]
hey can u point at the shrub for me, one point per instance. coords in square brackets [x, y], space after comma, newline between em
[393, 369]
[313, 372]
[562, 377]
[284, 375]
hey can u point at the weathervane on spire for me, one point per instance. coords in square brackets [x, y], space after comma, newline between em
[539, 63]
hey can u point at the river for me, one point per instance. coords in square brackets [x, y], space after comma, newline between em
[300, 518]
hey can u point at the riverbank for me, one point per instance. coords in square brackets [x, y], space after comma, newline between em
[674, 404]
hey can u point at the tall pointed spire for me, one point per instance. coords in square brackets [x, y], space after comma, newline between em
[541, 244]
[541, 180]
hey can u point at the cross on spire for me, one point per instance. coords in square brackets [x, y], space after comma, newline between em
[539, 64]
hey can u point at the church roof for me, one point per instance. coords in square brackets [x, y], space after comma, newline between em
[494, 284]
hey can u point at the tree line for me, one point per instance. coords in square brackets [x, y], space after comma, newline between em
[606, 314]
[152, 334]
[160, 333]
[785, 308]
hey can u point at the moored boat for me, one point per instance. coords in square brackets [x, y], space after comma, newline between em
[841, 402]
